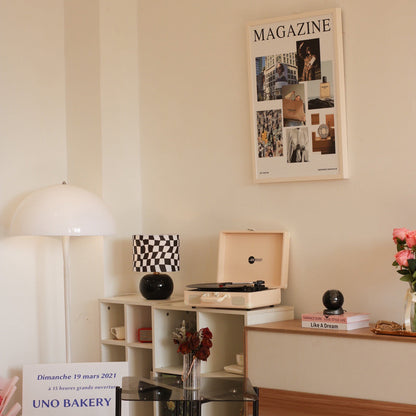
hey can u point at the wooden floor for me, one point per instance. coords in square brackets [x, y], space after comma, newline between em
[288, 403]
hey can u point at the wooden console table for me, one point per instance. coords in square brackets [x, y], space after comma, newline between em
[330, 366]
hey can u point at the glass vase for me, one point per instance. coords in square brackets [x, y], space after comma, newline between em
[191, 373]
[410, 311]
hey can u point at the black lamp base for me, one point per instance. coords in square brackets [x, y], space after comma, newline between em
[156, 286]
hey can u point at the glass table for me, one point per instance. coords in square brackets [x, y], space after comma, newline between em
[167, 391]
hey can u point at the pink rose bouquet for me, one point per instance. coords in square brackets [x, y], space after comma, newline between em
[405, 258]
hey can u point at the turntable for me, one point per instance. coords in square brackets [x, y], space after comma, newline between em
[252, 270]
[230, 286]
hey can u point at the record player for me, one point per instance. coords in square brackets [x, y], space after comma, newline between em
[252, 270]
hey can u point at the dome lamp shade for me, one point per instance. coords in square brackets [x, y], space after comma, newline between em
[62, 210]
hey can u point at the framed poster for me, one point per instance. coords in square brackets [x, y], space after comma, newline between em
[296, 72]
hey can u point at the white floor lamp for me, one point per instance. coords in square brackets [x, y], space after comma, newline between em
[65, 211]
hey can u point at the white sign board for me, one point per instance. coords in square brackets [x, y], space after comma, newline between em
[71, 389]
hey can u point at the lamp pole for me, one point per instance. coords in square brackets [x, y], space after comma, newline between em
[67, 295]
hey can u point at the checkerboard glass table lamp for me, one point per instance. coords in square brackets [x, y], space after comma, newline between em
[157, 254]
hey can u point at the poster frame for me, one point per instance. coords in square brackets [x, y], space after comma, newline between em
[323, 158]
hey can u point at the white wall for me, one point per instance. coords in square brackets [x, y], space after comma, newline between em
[196, 154]
[33, 155]
[84, 154]
[120, 138]
[51, 131]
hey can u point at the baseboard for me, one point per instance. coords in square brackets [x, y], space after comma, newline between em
[289, 403]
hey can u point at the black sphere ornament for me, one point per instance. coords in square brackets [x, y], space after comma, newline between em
[156, 286]
[333, 300]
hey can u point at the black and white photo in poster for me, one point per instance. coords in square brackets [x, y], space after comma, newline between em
[297, 145]
[297, 97]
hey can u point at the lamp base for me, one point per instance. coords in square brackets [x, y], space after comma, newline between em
[156, 286]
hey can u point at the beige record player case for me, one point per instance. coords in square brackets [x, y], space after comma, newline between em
[245, 257]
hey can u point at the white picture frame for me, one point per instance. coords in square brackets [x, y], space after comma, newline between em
[297, 96]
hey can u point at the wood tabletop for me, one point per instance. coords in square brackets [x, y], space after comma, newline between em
[295, 327]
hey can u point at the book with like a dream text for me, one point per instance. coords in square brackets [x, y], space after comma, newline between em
[336, 325]
[345, 318]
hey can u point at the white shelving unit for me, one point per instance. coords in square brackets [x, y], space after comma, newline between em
[161, 356]
[132, 312]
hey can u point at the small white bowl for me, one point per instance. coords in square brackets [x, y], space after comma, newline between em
[240, 359]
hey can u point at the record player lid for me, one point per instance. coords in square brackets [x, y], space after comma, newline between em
[248, 256]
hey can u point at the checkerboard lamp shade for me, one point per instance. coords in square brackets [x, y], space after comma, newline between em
[156, 253]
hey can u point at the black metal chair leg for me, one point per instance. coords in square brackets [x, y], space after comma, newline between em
[118, 401]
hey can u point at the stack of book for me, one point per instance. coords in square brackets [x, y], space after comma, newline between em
[346, 321]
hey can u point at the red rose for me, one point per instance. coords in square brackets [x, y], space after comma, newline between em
[202, 353]
[194, 341]
[206, 332]
[184, 348]
[206, 342]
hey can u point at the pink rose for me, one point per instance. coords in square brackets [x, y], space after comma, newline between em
[399, 233]
[403, 256]
[411, 239]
